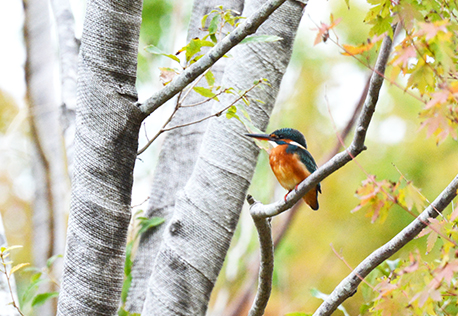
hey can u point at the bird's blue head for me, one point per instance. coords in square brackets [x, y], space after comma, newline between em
[283, 135]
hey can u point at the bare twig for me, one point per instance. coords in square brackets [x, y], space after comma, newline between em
[203, 101]
[352, 120]
[248, 27]
[3, 256]
[150, 141]
[216, 114]
[348, 286]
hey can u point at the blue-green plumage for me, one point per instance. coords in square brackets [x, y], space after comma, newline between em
[296, 136]
[291, 162]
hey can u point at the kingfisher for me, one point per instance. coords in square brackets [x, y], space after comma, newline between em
[290, 161]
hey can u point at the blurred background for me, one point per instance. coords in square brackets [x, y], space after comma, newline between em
[319, 94]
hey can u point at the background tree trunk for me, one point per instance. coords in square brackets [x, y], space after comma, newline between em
[207, 209]
[176, 162]
[52, 185]
[107, 125]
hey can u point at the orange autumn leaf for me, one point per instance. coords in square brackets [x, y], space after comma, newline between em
[323, 30]
[356, 50]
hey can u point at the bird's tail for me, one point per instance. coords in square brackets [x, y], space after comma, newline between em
[311, 198]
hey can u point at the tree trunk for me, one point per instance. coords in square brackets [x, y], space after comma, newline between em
[176, 162]
[52, 185]
[206, 211]
[107, 125]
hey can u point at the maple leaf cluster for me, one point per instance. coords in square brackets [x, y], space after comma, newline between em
[427, 55]
[378, 197]
[417, 286]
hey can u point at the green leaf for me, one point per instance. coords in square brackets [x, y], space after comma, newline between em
[147, 223]
[157, 51]
[205, 92]
[123, 312]
[51, 260]
[422, 78]
[261, 39]
[232, 113]
[128, 264]
[194, 46]
[125, 288]
[40, 299]
[35, 277]
[241, 108]
[210, 78]
[204, 21]
[31, 290]
[213, 27]
[298, 314]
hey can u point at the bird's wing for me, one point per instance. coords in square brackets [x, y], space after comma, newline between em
[308, 161]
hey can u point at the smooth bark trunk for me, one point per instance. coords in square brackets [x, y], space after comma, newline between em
[107, 125]
[207, 209]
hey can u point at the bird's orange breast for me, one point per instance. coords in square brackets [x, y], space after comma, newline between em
[290, 171]
[287, 167]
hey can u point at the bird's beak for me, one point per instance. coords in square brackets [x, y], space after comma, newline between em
[259, 136]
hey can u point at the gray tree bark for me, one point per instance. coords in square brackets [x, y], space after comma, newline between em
[206, 211]
[176, 161]
[107, 125]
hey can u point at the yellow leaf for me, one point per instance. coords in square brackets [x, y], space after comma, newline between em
[17, 267]
[356, 50]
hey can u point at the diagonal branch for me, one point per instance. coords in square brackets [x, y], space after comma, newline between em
[348, 286]
[249, 26]
[342, 158]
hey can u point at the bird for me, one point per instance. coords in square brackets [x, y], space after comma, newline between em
[291, 162]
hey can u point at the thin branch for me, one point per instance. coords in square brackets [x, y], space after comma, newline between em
[352, 120]
[342, 158]
[216, 114]
[150, 141]
[203, 101]
[348, 286]
[249, 26]
[266, 268]
[3, 255]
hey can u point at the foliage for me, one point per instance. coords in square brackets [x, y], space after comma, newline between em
[31, 298]
[416, 285]
[427, 54]
[377, 197]
[4, 255]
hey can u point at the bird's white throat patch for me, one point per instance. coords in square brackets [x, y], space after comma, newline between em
[297, 144]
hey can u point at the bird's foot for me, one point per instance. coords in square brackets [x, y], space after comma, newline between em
[287, 194]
